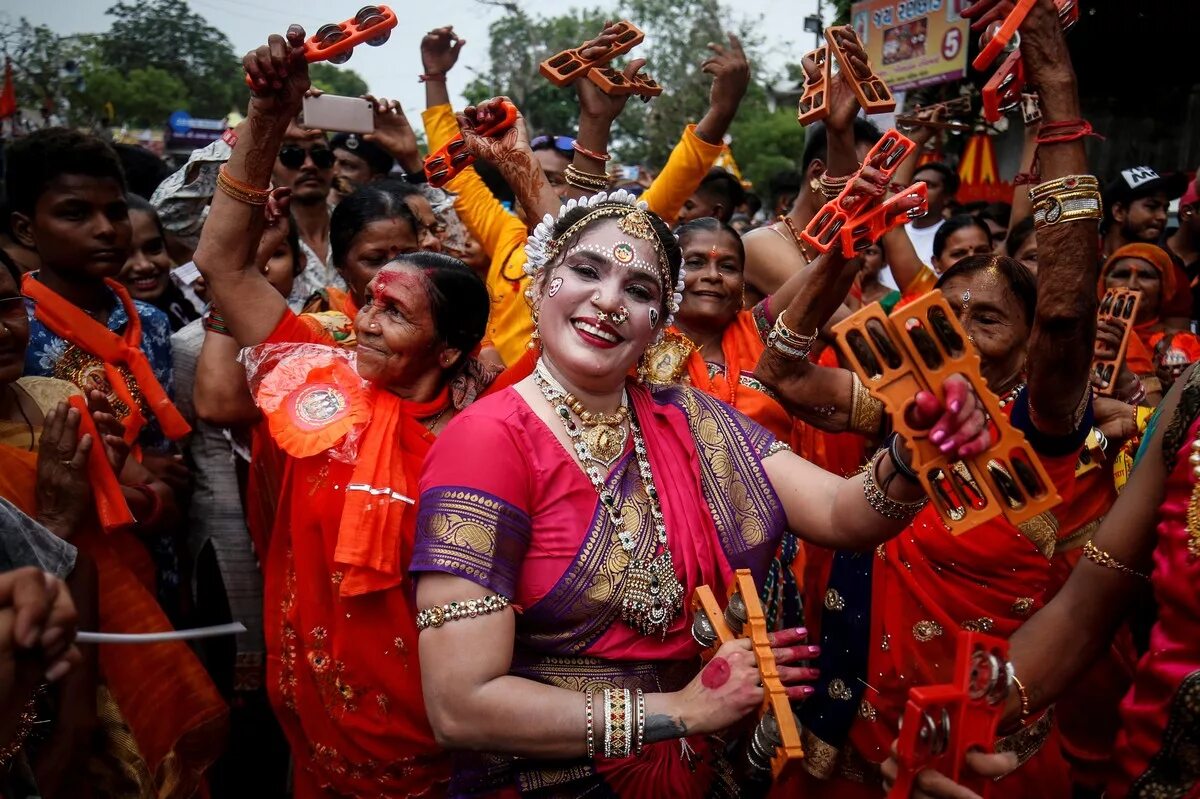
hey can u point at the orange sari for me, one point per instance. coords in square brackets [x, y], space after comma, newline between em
[170, 750]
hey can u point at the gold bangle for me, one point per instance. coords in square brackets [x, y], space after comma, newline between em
[242, 192]
[866, 412]
[1022, 694]
[788, 343]
[453, 611]
[1066, 183]
[1101, 558]
[585, 181]
[1071, 206]
[884, 505]
[832, 187]
[591, 727]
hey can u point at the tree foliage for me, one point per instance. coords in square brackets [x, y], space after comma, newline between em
[143, 98]
[169, 36]
[337, 80]
[765, 140]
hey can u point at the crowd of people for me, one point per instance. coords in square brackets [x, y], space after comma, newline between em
[458, 459]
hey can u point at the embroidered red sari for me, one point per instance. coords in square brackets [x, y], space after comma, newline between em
[924, 585]
[339, 623]
[526, 523]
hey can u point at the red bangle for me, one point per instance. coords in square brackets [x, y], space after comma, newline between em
[432, 77]
[1025, 179]
[579, 148]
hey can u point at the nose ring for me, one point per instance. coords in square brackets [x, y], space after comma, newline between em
[621, 316]
[601, 316]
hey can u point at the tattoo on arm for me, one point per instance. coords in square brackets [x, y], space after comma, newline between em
[660, 727]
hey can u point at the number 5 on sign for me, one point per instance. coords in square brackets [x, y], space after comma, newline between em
[951, 44]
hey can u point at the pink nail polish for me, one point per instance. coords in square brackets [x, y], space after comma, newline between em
[937, 435]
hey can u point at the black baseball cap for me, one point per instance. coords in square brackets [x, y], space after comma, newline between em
[1142, 181]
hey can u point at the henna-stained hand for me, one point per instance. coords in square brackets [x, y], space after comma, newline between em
[510, 152]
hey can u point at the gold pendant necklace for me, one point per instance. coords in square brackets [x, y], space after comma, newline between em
[604, 433]
[651, 594]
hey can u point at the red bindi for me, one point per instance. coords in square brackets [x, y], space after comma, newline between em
[715, 674]
[388, 282]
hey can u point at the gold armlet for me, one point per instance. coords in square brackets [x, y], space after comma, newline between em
[453, 611]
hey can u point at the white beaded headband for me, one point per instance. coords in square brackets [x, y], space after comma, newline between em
[542, 247]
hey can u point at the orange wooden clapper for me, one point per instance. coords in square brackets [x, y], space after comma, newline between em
[916, 349]
[942, 723]
[613, 82]
[814, 103]
[335, 42]
[452, 157]
[564, 67]
[774, 745]
[1121, 306]
[873, 94]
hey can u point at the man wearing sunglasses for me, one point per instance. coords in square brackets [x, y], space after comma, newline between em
[554, 153]
[305, 164]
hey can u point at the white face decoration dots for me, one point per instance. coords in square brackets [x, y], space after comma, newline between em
[555, 285]
[653, 316]
[623, 253]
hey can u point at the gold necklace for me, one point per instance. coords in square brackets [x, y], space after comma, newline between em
[604, 433]
[1193, 511]
[651, 594]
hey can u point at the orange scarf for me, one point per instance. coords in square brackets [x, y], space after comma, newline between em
[76, 327]
[111, 507]
[314, 402]
[381, 502]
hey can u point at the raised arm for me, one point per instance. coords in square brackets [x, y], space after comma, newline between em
[251, 307]
[1064, 325]
[513, 157]
[701, 145]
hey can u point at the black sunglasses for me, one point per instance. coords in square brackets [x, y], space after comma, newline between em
[292, 156]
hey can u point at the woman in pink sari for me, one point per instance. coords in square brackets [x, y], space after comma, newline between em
[594, 507]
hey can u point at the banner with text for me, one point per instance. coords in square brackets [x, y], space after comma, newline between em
[913, 43]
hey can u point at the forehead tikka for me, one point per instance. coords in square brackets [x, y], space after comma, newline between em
[622, 253]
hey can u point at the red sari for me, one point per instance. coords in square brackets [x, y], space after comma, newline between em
[525, 523]
[1160, 734]
[924, 585]
[339, 623]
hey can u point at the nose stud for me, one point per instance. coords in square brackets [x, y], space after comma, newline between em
[621, 316]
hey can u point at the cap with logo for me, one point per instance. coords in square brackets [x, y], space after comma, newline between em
[378, 159]
[1143, 181]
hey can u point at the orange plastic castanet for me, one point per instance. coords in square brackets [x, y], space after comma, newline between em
[111, 507]
[873, 94]
[613, 82]
[1002, 36]
[950, 108]
[869, 227]
[1003, 91]
[565, 67]
[814, 104]
[1120, 306]
[335, 42]
[918, 348]
[774, 745]
[824, 230]
[441, 166]
[944, 722]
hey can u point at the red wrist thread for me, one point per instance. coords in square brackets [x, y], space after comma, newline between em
[579, 148]
[1065, 132]
[432, 77]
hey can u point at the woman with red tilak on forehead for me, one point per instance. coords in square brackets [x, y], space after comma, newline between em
[346, 430]
[597, 505]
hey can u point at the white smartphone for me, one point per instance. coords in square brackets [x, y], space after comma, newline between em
[339, 114]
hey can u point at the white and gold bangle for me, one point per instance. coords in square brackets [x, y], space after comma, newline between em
[884, 505]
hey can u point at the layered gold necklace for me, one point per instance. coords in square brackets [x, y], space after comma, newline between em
[651, 594]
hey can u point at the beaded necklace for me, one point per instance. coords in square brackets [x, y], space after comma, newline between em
[651, 594]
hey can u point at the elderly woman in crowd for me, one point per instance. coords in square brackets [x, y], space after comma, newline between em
[349, 430]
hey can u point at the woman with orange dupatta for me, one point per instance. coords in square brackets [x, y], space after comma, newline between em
[144, 750]
[351, 429]
[1148, 269]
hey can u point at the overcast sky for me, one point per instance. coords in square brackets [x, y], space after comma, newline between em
[391, 70]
